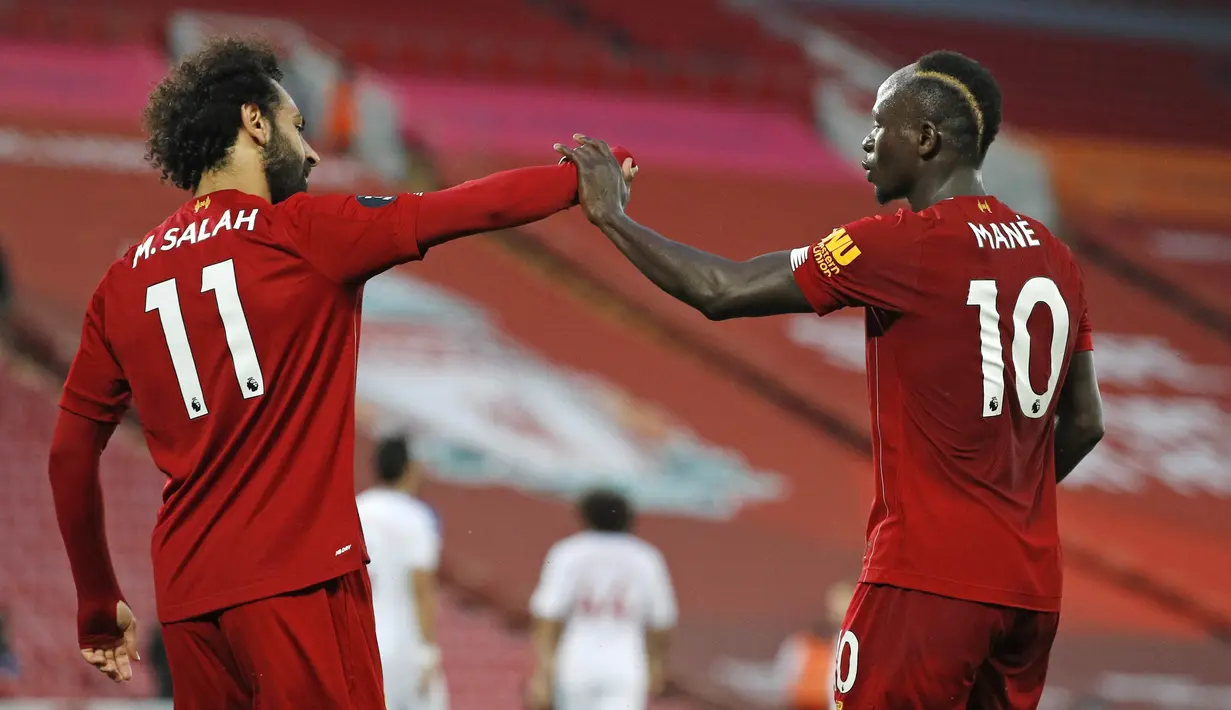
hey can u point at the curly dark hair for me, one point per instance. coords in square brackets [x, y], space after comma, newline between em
[193, 116]
[606, 510]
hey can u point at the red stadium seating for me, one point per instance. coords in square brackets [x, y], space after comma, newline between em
[696, 49]
[1068, 83]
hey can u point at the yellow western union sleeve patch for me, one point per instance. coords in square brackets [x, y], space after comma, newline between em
[835, 251]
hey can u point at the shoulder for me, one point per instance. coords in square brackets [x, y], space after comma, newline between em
[879, 232]
[903, 219]
[371, 503]
[418, 514]
[648, 552]
[569, 548]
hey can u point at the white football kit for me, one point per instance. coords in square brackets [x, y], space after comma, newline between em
[402, 537]
[607, 589]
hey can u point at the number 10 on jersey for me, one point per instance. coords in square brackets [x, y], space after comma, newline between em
[1039, 290]
[164, 298]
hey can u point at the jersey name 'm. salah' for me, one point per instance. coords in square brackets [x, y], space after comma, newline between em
[175, 237]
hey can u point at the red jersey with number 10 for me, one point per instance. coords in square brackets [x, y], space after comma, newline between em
[973, 313]
[234, 327]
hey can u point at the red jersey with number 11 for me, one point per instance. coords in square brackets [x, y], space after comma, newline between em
[973, 313]
[234, 327]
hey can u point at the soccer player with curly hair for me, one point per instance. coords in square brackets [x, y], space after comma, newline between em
[233, 328]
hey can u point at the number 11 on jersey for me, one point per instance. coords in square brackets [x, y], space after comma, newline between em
[164, 298]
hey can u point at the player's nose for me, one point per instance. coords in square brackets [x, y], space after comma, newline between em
[867, 143]
[313, 158]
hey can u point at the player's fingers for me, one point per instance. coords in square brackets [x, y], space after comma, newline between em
[123, 665]
[130, 642]
[93, 656]
[629, 170]
[597, 144]
[108, 666]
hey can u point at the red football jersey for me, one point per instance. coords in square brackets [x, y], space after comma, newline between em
[234, 328]
[973, 313]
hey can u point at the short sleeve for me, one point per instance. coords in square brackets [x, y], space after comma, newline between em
[96, 387]
[872, 262]
[553, 595]
[354, 237]
[663, 610]
[1085, 335]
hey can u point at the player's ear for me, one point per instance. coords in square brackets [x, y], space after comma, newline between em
[256, 124]
[929, 140]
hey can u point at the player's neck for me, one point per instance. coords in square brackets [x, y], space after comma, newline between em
[252, 183]
[960, 182]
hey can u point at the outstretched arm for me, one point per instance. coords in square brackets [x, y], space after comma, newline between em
[352, 238]
[720, 288]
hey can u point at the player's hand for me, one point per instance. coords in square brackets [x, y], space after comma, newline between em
[426, 676]
[603, 184]
[658, 679]
[116, 662]
[538, 692]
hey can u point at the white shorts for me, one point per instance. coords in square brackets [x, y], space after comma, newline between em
[402, 693]
[602, 697]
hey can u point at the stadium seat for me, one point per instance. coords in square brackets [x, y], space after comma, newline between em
[1066, 83]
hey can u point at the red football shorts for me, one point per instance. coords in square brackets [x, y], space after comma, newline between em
[311, 649]
[902, 649]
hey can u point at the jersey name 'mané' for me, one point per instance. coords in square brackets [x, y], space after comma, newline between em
[195, 232]
[998, 235]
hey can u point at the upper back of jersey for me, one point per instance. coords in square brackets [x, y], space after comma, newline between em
[973, 314]
[238, 347]
[603, 579]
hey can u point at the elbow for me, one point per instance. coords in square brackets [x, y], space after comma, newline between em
[1088, 428]
[716, 303]
[714, 312]
[1092, 433]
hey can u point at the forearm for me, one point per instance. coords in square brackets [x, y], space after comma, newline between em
[76, 448]
[426, 605]
[499, 201]
[1073, 443]
[546, 635]
[686, 273]
[657, 642]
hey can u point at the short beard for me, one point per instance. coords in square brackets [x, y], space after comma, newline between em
[286, 172]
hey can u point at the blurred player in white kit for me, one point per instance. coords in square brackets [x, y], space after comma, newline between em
[404, 543]
[603, 612]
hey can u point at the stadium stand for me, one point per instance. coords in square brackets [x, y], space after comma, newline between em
[507, 40]
[1066, 83]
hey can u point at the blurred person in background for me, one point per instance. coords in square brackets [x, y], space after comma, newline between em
[801, 674]
[403, 541]
[231, 328]
[805, 661]
[603, 613]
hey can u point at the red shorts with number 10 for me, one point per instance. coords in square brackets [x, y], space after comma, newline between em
[902, 649]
